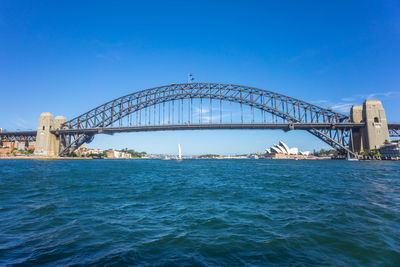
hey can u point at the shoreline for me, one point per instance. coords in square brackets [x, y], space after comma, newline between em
[219, 158]
[60, 158]
[45, 158]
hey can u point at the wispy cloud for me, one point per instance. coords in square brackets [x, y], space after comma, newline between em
[345, 104]
[379, 95]
[201, 111]
[348, 99]
[322, 101]
[213, 118]
[21, 123]
[342, 107]
[205, 110]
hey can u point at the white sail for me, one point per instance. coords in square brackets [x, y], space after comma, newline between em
[179, 152]
[350, 158]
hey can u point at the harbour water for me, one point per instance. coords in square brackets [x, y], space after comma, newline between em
[199, 212]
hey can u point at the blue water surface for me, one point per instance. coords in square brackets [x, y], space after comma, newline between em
[199, 212]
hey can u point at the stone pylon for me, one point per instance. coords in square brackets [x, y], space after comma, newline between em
[55, 140]
[47, 143]
[376, 132]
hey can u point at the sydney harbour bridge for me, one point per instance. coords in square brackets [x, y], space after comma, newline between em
[196, 106]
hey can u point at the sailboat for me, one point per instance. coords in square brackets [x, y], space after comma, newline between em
[179, 152]
[349, 158]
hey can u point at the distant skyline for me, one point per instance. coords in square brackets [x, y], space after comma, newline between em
[68, 57]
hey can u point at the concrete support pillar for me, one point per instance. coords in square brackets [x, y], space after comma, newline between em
[48, 144]
[376, 132]
[356, 114]
[43, 135]
[55, 141]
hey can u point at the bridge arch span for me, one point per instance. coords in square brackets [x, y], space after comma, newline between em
[291, 110]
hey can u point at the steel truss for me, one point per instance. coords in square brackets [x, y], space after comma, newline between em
[23, 136]
[288, 108]
[394, 129]
[394, 132]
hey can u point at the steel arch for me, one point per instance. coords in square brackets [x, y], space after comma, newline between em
[288, 108]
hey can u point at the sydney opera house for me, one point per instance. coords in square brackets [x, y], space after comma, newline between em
[283, 151]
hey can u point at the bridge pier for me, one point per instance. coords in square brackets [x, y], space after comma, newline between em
[47, 143]
[375, 132]
[356, 114]
[56, 140]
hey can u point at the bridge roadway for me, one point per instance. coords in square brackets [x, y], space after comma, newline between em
[238, 126]
[20, 135]
[394, 126]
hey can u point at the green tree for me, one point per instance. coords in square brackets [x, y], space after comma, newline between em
[134, 154]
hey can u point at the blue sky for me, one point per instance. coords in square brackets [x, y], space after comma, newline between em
[69, 56]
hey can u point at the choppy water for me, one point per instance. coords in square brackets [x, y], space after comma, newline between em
[199, 212]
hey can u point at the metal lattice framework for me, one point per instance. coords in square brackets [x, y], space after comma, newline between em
[21, 136]
[79, 130]
[394, 129]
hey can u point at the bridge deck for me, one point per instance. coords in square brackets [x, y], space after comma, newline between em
[394, 125]
[144, 128]
[19, 133]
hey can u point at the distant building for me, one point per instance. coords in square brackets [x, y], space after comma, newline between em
[31, 145]
[9, 144]
[19, 145]
[282, 148]
[4, 152]
[114, 154]
[122, 155]
[390, 151]
[282, 151]
[89, 151]
[110, 154]
[7, 147]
